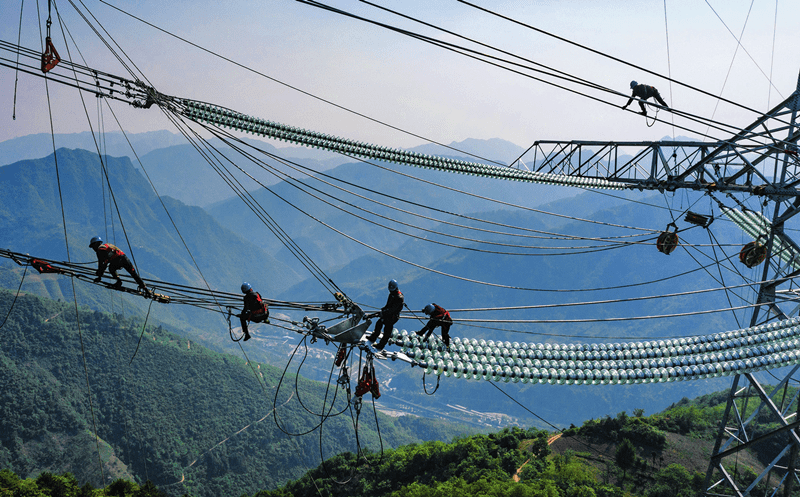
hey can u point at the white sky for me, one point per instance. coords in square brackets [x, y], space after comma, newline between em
[412, 85]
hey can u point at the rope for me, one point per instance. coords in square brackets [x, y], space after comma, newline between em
[739, 41]
[103, 167]
[669, 73]
[230, 328]
[144, 325]
[16, 72]
[301, 186]
[772, 55]
[74, 293]
[15, 297]
[425, 387]
[655, 117]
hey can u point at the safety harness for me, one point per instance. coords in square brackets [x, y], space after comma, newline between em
[368, 381]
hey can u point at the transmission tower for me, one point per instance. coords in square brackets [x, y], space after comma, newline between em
[762, 160]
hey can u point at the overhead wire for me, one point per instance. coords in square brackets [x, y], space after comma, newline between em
[168, 32]
[16, 71]
[608, 56]
[66, 243]
[575, 437]
[739, 42]
[722, 280]
[608, 301]
[262, 185]
[619, 319]
[772, 55]
[258, 210]
[669, 69]
[317, 175]
[304, 92]
[477, 56]
[463, 51]
[733, 58]
[297, 184]
[16, 295]
[103, 167]
[161, 201]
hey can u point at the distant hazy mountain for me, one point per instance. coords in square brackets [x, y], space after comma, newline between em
[180, 171]
[494, 149]
[401, 187]
[31, 222]
[114, 144]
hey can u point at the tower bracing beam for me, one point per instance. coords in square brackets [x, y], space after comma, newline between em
[737, 164]
[764, 418]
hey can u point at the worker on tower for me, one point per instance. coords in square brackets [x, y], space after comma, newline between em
[643, 92]
[389, 315]
[439, 317]
[111, 256]
[255, 309]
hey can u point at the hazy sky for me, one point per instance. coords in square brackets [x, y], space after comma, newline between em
[410, 84]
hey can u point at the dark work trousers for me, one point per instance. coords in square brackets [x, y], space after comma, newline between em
[122, 262]
[256, 318]
[387, 326]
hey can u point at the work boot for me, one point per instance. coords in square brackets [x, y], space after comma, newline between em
[117, 284]
[246, 336]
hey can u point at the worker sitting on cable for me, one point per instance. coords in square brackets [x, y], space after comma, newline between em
[439, 317]
[389, 315]
[255, 309]
[643, 92]
[111, 256]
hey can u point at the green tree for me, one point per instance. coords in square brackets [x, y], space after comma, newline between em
[58, 485]
[672, 481]
[625, 456]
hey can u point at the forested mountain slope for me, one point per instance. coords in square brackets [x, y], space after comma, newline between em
[189, 419]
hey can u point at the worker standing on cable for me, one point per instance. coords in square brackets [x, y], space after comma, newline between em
[111, 256]
[643, 92]
[438, 317]
[389, 315]
[255, 309]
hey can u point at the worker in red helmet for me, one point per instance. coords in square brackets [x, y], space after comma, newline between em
[389, 315]
[255, 309]
[111, 256]
[643, 92]
[438, 317]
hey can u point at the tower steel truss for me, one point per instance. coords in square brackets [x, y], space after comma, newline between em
[761, 159]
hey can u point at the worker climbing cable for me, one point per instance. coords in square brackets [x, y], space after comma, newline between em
[644, 92]
[255, 309]
[111, 256]
[389, 315]
[438, 317]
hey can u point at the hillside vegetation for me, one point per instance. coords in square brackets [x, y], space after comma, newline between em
[184, 417]
[663, 455]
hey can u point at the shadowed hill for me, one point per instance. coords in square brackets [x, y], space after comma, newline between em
[31, 222]
[189, 419]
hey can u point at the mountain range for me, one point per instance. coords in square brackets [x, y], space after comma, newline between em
[525, 239]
